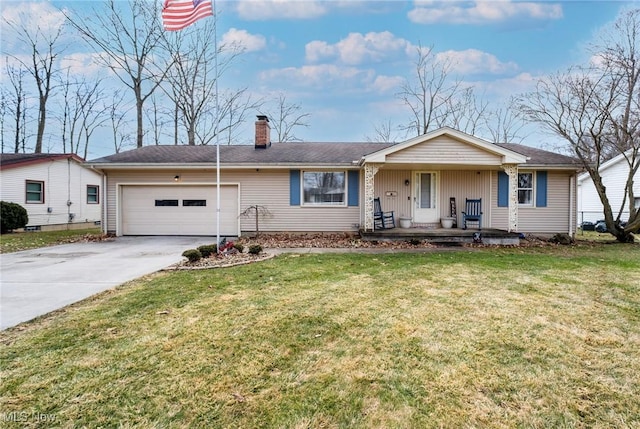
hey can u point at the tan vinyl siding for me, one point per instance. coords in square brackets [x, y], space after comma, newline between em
[457, 184]
[270, 189]
[266, 188]
[499, 215]
[554, 218]
[444, 150]
[392, 181]
[462, 185]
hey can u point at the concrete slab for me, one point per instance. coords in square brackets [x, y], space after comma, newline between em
[36, 282]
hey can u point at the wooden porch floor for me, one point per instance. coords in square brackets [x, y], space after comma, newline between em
[450, 236]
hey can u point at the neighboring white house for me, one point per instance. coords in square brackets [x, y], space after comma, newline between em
[614, 176]
[56, 189]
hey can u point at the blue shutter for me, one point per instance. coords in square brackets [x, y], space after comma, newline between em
[541, 189]
[503, 189]
[354, 188]
[294, 187]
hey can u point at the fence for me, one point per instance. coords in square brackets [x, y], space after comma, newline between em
[594, 216]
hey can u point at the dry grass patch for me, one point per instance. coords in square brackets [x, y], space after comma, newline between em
[494, 337]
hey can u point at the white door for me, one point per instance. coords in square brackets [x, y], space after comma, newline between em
[425, 198]
[178, 210]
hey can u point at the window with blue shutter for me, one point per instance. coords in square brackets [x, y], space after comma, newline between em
[541, 189]
[294, 187]
[503, 189]
[353, 188]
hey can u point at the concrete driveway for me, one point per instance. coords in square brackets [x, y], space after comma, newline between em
[36, 282]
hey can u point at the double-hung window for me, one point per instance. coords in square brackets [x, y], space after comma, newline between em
[93, 194]
[326, 188]
[525, 189]
[34, 192]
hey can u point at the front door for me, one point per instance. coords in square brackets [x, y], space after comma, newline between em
[425, 197]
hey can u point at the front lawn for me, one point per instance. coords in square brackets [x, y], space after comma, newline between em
[512, 337]
[17, 241]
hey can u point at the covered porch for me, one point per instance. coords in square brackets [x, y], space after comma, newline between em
[426, 182]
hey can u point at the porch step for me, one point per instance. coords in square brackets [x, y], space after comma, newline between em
[444, 237]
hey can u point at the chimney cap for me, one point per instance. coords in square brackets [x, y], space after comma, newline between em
[263, 118]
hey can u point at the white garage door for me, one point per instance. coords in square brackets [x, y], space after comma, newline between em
[178, 210]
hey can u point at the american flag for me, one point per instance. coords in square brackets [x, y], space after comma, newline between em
[178, 14]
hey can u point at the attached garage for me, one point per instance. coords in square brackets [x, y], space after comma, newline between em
[178, 210]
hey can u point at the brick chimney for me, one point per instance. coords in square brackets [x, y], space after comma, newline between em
[263, 132]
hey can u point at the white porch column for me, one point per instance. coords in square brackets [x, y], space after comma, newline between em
[512, 172]
[370, 171]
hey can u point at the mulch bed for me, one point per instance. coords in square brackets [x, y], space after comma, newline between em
[329, 241]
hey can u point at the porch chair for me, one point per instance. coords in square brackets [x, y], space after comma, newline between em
[382, 220]
[472, 212]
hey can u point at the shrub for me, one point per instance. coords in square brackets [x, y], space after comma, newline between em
[207, 250]
[13, 216]
[255, 249]
[239, 247]
[193, 255]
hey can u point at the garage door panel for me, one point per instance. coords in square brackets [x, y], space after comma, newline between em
[150, 210]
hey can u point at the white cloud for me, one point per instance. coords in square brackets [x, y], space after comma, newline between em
[473, 61]
[34, 17]
[242, 38]
[84, 64]
[263, 10]
[481, 11]
[504, 88]
[318, 75]
[358, 48]
[387, 84]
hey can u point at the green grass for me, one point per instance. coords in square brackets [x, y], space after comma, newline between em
[538, 337]
[15, 242]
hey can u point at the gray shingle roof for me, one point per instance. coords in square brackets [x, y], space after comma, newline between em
[278, 153]
[339, 154]
[540, 156]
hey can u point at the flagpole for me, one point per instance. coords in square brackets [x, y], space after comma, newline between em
[215, 47]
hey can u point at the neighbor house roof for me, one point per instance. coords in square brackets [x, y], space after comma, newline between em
[606, 165]
[13, 160]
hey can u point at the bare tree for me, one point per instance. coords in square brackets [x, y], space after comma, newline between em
[155, 115]
[505, 123]
[384, 132]
[192, 78]
[93, 113]
[44, 49]
[192, 83]
[118, 112]
[234, 108]
[3, 112]
[286, 117]
[430, 96]
[130, 44]
[16, 105]
[597, 108]
[464, 112]
[64, 117]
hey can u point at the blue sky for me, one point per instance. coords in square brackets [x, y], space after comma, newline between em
[343, 61]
